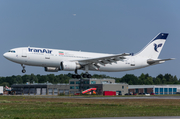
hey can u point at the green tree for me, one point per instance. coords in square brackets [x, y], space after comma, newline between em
[157, 81]
[164, 81]
[149, 81]
[5, 84]
[131, 78]
[26, 78]
[141, 79]
[33, 78]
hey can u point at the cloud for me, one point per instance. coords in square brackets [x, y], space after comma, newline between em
[74, 14]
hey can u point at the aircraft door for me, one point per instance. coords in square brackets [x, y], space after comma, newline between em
[47, 56]
[24, 53]
[132, 61]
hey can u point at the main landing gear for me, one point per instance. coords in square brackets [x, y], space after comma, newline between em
[77, 76]
[23, 70]
[86, 75]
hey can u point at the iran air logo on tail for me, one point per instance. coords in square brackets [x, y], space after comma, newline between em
[157, 46]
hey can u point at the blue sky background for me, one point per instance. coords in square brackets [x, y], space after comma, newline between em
[104, 26]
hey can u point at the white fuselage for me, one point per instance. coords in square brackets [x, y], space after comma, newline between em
[53, 57]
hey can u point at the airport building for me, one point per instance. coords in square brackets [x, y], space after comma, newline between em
[40, 89]
[101, 85]
[156, 89]
[75, 86]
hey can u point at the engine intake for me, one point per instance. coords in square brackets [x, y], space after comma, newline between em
[69, 66]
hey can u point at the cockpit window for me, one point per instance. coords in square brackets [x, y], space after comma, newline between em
[12, 51]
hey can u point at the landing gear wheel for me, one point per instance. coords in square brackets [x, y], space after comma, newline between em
[84, 75]
[23, 71]
[78, 76]
[89, 76]
[73, 76]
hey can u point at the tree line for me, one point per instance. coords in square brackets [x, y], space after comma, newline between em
[131, 79]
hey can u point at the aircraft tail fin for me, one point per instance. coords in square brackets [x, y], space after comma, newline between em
[154, 47]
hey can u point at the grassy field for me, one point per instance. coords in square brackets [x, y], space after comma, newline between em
[15, 107]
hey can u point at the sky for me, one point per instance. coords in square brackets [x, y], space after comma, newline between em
[103, 26]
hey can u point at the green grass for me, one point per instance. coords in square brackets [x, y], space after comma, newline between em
[15, 107]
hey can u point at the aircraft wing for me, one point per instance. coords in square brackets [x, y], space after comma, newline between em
[104, 60]
[152, 62]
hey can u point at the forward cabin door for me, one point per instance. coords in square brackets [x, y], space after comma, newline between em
[24, 52]
[47, 56]
[47, 59]
[24, 55]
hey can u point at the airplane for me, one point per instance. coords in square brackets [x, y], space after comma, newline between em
[54, 60]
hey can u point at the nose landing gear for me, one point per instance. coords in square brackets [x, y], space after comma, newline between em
[23, 70]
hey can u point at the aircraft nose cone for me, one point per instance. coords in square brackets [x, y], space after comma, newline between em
[5, 55]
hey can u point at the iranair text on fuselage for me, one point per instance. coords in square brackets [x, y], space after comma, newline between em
[35, 50]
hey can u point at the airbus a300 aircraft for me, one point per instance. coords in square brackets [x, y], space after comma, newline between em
[54, 60]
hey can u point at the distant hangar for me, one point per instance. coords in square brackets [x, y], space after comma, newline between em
[156, 89]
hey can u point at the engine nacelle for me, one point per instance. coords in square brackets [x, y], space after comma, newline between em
[51, 69]
[69, 66]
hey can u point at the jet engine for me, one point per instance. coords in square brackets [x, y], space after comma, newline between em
[69, 66]
[51, 69]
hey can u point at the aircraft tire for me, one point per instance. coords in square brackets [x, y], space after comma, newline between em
[23, 71]
[73, 76]
[89, 76]
[78, 76]
[84, 75]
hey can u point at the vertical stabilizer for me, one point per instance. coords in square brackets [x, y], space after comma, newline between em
[154, 47]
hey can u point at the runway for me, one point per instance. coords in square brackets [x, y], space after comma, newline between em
[156, 117]
[106, 97]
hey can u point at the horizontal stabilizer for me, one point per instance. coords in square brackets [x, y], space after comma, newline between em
[152, 62]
